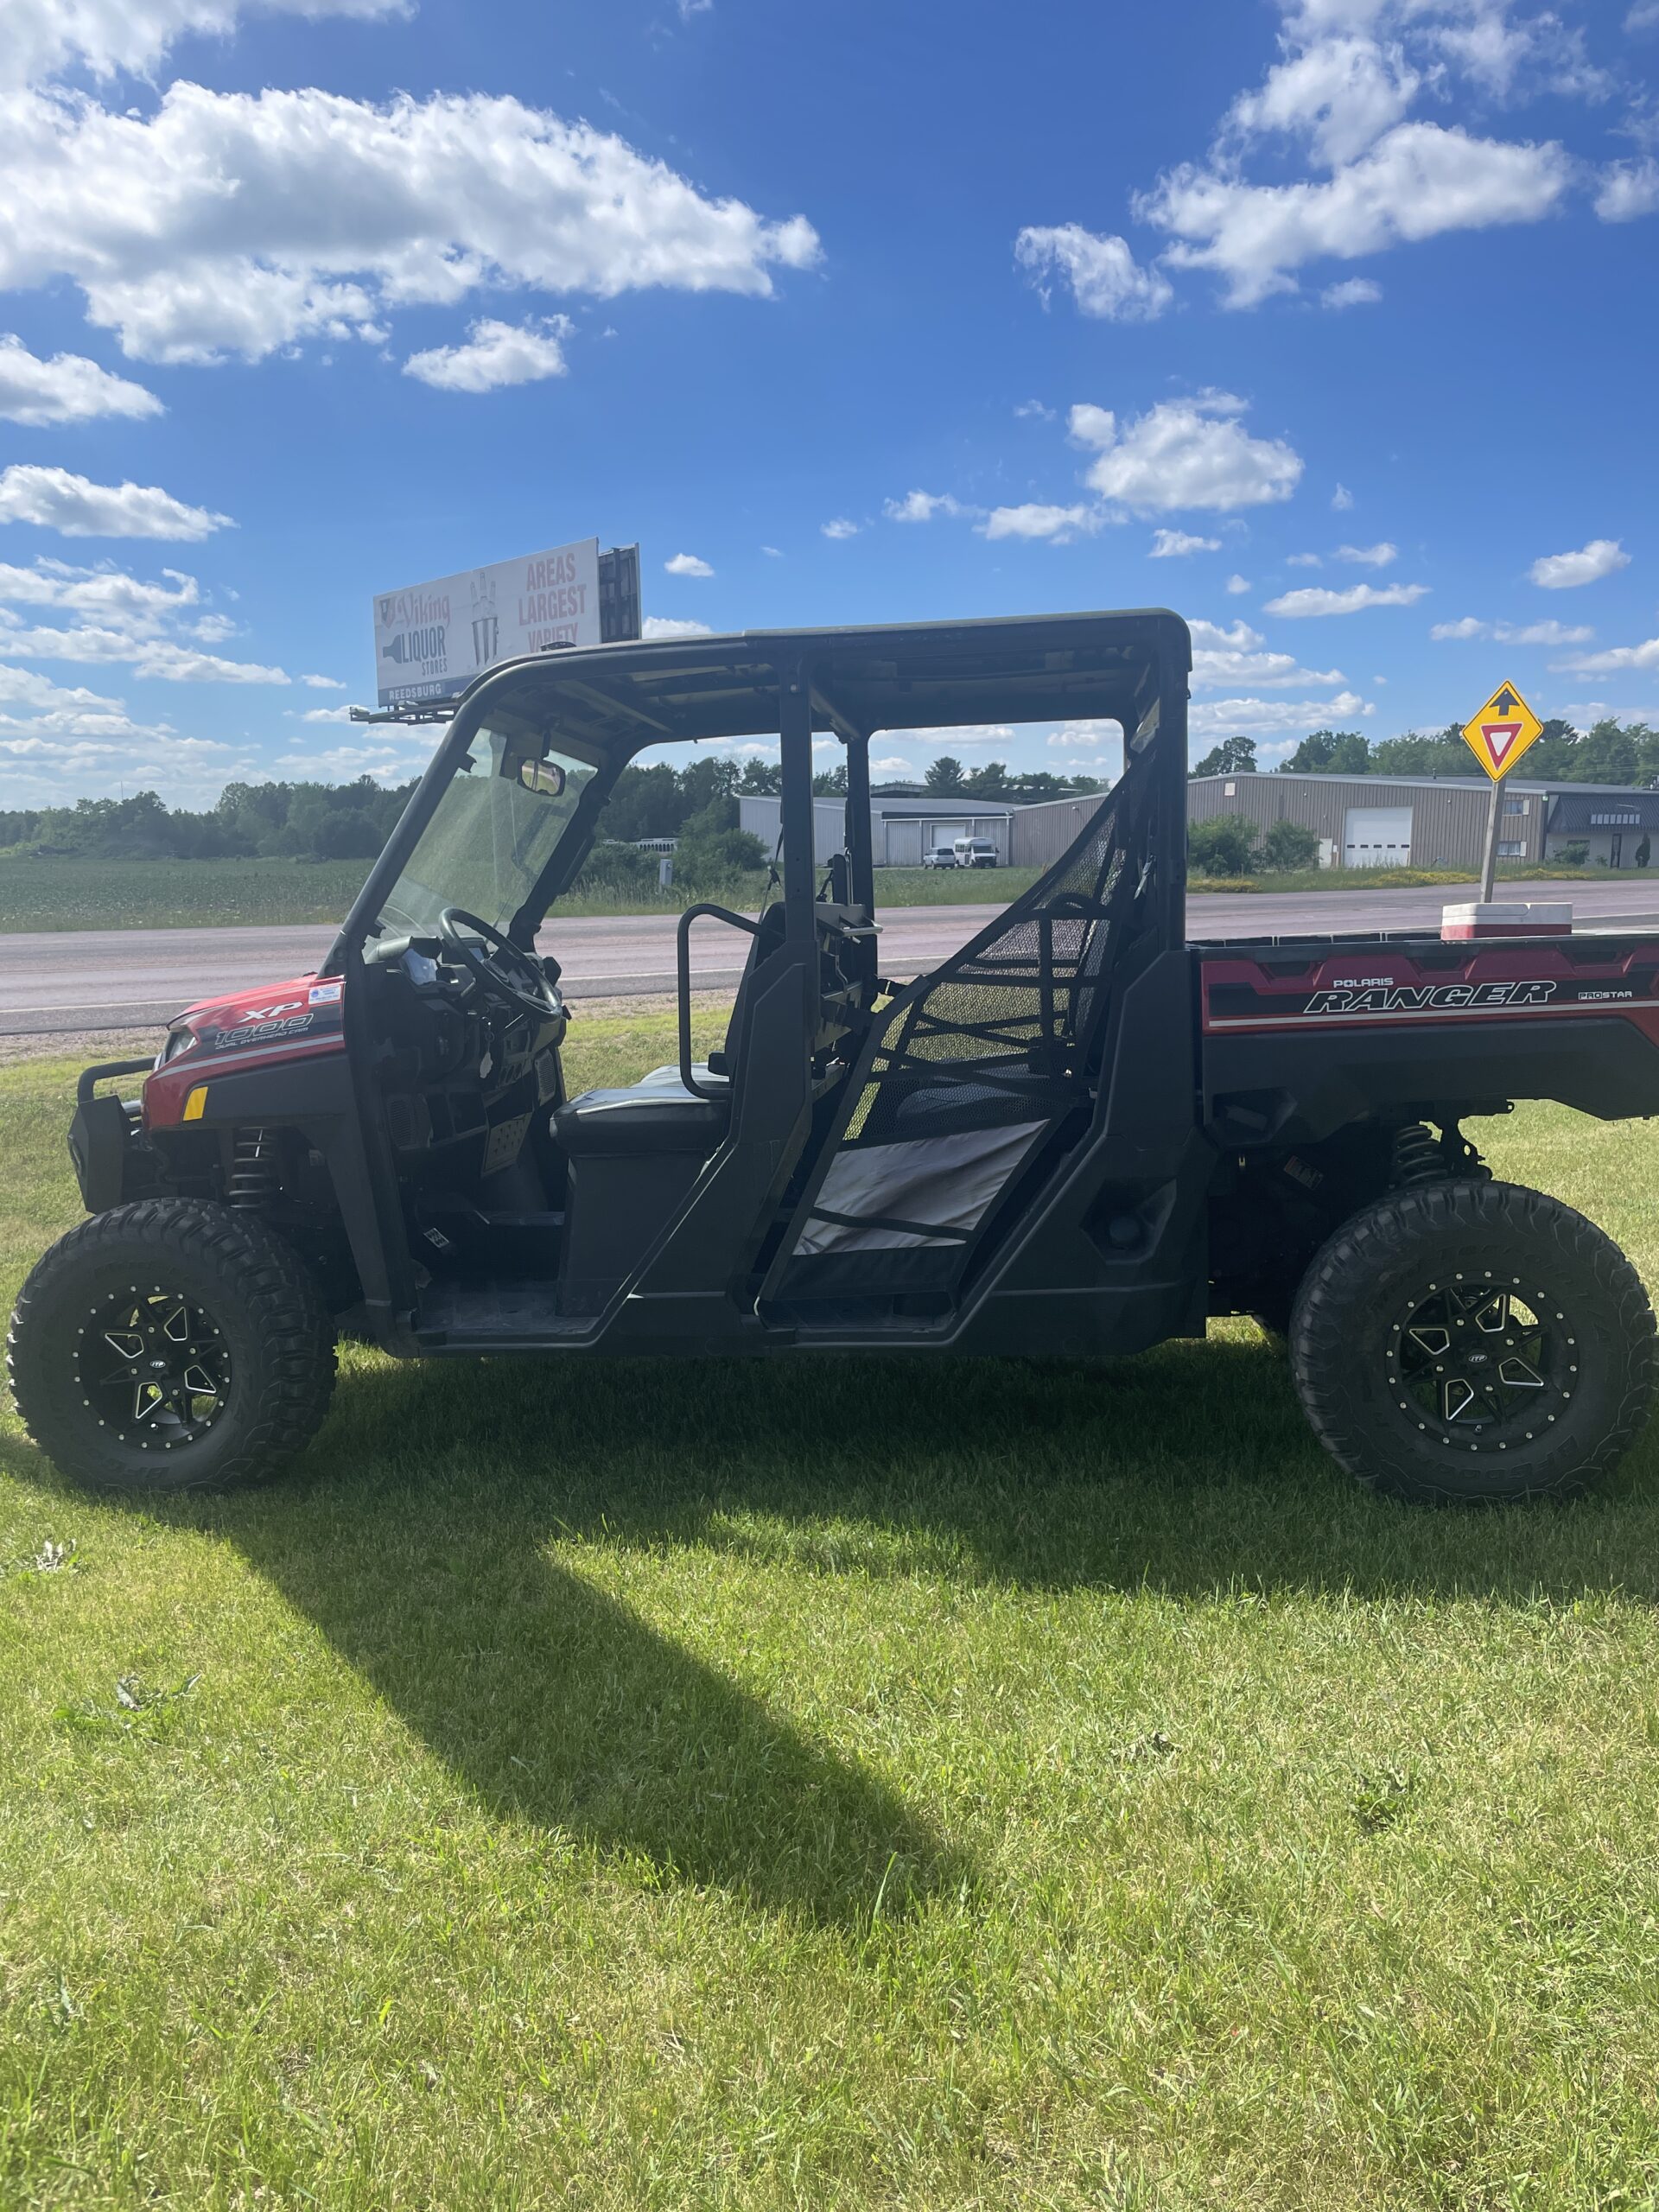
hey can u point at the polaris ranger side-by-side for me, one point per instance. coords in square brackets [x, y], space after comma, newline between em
[1079, 1135]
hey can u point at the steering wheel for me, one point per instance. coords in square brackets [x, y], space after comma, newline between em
[500, 967]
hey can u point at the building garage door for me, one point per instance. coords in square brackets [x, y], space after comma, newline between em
[904, 845]
[1377, 836]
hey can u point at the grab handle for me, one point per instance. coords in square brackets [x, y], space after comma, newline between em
[682, 955]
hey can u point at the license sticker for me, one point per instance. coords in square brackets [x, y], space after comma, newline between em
[325, 994]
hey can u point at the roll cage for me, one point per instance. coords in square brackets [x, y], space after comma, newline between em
[1004, 1067]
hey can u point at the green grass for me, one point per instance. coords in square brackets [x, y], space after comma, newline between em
[52, 894]
[1420, 879]
[908, 1784]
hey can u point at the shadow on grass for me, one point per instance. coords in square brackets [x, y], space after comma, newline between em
[436, 1533]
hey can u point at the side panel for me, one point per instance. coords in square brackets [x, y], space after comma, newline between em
[1298, 1041]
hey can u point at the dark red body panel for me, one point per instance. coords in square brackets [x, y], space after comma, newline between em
[278, 1023]
[1255, 989]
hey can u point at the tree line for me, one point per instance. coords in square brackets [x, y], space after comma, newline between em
[1609, 752]
[342, 822]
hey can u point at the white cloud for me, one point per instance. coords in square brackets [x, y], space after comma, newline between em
[1105, 277]
[921, 506]
[1304, 560]
[957, 736]
[1313, 598]
[1236, 656]
[1058, 524]
[1080, 736]
[1170, 545]
[892, 765]
[1645, 656]
[54, 500]
[325, 714]
[1236, 584]
[119, 619]
[42, 37]
[668, 626]
[1417, 181]
[393, 761]
[66, 389]
[1339, 95]
[1514, 634]
[1185, 453]
[1629, 189]
[1352, 292]
[687, 564]
[238, 223]
[839, 527]
[323, 682]
[1566, 571]
[1249, 717]
[773, 552]
[1381, 555]
[160, 657]
[1643, 16]
[1033, 410]
[495, 354]
[111, 593]
[1341, 498]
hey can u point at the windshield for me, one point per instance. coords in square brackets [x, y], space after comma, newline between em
[497, 826]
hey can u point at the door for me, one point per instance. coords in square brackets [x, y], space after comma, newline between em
[1377, 836]
[904, 845]
[1615, 850]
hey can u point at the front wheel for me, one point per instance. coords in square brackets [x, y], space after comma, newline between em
[170, 1345]
[1473, 1341]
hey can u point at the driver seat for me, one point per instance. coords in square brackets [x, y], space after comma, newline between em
[656, 1115]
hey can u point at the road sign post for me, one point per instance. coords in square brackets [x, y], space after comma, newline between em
[1504, 729]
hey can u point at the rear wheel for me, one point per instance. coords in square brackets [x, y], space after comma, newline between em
[1473, 1341]
[170, 1345]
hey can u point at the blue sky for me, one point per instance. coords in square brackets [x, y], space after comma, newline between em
[1331, 323]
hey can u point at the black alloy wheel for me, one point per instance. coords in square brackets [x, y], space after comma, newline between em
[1474, 1342]
[154, 1370]
[1483, 1365]
[171, 1344]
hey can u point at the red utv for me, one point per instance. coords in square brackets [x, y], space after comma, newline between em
[1081, 1134]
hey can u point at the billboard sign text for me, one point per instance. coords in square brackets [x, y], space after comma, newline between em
[432, 639]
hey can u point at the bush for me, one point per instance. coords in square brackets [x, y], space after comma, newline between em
[1288, 846]
[348, 834]
[1225, 845]
[615, 867]
[1571, 855]
[706, 858]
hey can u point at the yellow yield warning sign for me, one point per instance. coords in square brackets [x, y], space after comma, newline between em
[1502, 731]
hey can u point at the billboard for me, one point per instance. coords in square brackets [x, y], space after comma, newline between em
[432, 639]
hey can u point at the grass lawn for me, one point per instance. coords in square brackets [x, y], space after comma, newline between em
[915, 1784]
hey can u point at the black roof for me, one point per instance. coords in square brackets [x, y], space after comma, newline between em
[1607, 809]
[910, 676]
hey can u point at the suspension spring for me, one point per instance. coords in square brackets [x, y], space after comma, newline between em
[1417, 1157]
[254, 1180]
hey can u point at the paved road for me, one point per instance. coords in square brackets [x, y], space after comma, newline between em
[123, 979]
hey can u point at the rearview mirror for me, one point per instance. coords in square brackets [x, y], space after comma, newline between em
[543, 776]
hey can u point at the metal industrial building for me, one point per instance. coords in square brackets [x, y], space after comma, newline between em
[1436, 821]
[902, 829]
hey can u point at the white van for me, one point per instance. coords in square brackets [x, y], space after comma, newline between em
[976, 852]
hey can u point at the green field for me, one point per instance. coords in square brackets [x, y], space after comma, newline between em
[915, 1784]
[53, 894]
